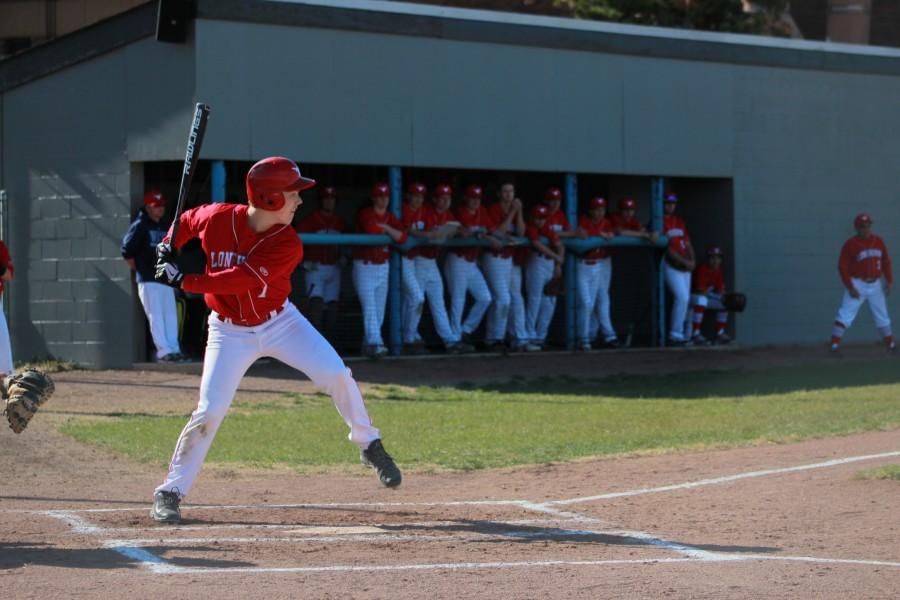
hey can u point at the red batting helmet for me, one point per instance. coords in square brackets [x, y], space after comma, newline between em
[627, 204]
[539, 211]
[861, 220]
[442, 189]
[714, 251]
[473, 191]
[552, 194]
[380, 189]
[154, 198]
[328, 192]
[597, 202]
[671, 197]
[416, 188]
[267, 179]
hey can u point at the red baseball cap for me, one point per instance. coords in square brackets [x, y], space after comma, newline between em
[861, 220]
[442, 189]
[328, 192]
[539, 211]
[714, 251]
[473, 191]
[416, 188]
[380, 189]
[552, 194]
[627, 204]
[154, 198]
[597, 202]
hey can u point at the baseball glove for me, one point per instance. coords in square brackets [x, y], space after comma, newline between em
[734, 302]
[25, 392]
[555, 287]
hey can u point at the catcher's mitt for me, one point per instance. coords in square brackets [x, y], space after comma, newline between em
[25, 392]
[555, 287]
[734, 302]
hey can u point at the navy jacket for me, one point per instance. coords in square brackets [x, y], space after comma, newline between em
[140, 243]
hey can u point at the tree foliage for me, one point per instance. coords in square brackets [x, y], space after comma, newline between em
[760, 16]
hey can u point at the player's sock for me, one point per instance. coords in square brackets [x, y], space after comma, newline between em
[721, 322]
[837, 332]
[698, 319]
[889, 341]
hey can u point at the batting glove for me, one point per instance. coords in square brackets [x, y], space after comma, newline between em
[168, 273]
[164, 252]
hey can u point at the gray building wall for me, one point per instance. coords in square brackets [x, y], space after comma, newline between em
[806, 142]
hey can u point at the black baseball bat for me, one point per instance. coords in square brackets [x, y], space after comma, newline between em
[195, 140]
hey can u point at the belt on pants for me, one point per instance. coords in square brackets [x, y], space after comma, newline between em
[272, 314]
[869, 279]
[372, 262]
[589, 261]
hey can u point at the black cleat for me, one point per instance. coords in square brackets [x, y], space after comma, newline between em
[376, 456]
[165, 507]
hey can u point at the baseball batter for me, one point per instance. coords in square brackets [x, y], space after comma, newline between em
[461, 267]
[594, 276]
[678, 264]
[251, 252]
[371, 269]
[864, 261]
[708, 285]
[321, 263]
[544, 264]
[497, 264]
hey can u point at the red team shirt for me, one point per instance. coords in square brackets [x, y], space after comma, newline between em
[534, 233]
[437, 219]
[675, 229]
[593, 229]
[322, 222]
[864, 259]
[248, 274]
[367, 221]
[478, 220]
[557, 221]
[706, 279]
[620, 223]
[6, 261]
[495, 211]
[421, 219]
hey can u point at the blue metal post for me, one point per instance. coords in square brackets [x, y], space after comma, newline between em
[656, 217]
[395, 300]
[571, 273]
[217, 181]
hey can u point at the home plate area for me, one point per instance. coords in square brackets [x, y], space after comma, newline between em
[360, 537]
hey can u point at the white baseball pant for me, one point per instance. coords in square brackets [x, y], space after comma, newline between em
[158, 301]
[699, 304]
[6, 360]
[464, 276]
[540, 307]
[874, 294]
[517, 325]
[371, 283]
[429, 278]
[679, 283]
[413, 301]
[592, 302]
[497, 271]
[230, 350]
[322, 281]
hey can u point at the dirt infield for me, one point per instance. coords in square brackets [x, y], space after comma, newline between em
[773, 521]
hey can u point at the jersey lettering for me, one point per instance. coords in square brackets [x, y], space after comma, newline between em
[219, 259]
[869, 253]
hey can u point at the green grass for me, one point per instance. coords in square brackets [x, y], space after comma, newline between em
[538, 420]
[889, 472]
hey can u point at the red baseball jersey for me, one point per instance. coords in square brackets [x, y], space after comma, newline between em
[367, 221]
[6, 261]
[479, 221]
[533, 233]
[864, 259]
[558, 222]
[675, 229]
[496, 213]
[322, 222]
[620, 223]
[593, 229]
[706, 279]
[437, 219]
[421, 219]
[248, 274]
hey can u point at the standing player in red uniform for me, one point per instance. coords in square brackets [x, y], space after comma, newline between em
[626, 223]
[371, 268]
[251, 252]
[708, 288]
[544, 264]
[594, 276]
[321, 263]
[497, 264]
[864, 261]
[677, 266]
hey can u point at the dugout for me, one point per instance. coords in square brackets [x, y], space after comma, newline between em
[784, 141]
